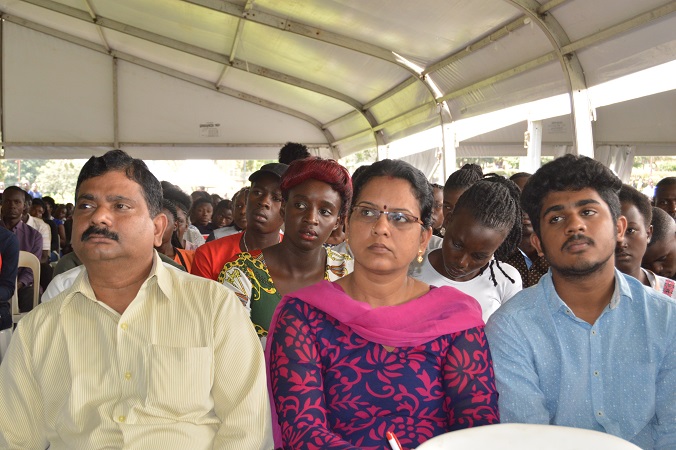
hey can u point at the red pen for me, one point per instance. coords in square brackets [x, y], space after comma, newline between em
[394, 442]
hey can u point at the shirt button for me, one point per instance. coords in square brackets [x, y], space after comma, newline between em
[127, 376]
[596, 373]
[122, 418]
[124, 326]
[594, 332]
[599, 413]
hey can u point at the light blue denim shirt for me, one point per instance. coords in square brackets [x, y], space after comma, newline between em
[617, 376]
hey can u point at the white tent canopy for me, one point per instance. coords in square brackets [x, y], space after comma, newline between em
[217, 79]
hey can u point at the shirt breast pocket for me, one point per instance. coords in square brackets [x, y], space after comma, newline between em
[179, 380]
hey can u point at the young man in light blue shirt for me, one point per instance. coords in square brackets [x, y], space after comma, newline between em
[586, 347]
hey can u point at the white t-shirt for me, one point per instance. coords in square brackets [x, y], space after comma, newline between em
[43, 229]
[481, 287]
[660, 284]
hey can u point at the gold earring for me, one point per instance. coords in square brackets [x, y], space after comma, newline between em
[420, 257]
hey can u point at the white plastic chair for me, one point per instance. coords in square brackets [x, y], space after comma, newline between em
[27, 259]
[5, 339]
[512, 436]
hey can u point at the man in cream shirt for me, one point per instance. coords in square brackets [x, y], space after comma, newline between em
[133, 355]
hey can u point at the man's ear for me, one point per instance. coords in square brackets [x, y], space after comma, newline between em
[621, 228]
[282, 210]
[650, 233]
[535, 242]
[159, 225]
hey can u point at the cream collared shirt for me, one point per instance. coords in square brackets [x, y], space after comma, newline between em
[181, 368]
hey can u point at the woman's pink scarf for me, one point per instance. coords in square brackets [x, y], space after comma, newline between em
[441, 311]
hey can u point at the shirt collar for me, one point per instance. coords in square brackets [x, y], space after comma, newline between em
[555, 303]
[158, 274]
[20, 224]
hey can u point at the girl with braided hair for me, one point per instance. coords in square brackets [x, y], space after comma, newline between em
[485, 227]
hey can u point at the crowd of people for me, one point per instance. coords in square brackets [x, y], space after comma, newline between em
[321, 310]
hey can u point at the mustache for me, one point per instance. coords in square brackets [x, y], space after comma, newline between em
[576, 239]
[105, 232]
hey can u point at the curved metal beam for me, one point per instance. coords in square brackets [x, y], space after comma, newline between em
[572, 69]
[169, 71]
[206, 54]
[584, 42]
[284, 24]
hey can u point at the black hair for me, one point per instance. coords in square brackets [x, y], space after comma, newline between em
[201, 194]
[358, 171]
[168, 185]
[663, 183]
[169, 206]
[28, 198]
[422, 189]
[173, 209]
[631, 195]
[135, 169]
[200, 201]
[292, 151]
[494, 203]
[16, 189]
[570, 173]
[38, 202]
[662, 224]
[464, 177]
[223, 204]
[437, 186]
[179, 198]
[518, 175]
[49, 201]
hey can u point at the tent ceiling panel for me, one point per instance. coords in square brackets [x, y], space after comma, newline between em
[360, 76]
[51, 101]
[415, 30]
[494, 58]
[165, 56]
[581, 18]
[421, 120]
[46, 17]
[321, 107]
[345, 127]
[155, 108]
[541, 82]
[360, 142]
[649, 119]
[403, 101]
[630, 52]
[182, 21]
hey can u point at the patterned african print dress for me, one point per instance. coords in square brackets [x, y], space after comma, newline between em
[249, 278]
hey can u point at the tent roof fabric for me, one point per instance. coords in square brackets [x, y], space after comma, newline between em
[232, 79]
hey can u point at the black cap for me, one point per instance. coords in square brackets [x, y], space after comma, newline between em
[276, 169]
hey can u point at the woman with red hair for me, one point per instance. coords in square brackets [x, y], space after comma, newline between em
[317, 194]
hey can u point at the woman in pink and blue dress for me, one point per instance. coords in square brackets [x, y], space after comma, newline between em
[376, 350]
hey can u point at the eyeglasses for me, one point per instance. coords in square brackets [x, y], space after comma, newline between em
[398, 219]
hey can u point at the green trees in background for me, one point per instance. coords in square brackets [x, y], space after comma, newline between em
[55, 177]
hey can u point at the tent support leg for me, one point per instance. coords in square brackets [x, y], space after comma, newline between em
[116, 118]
